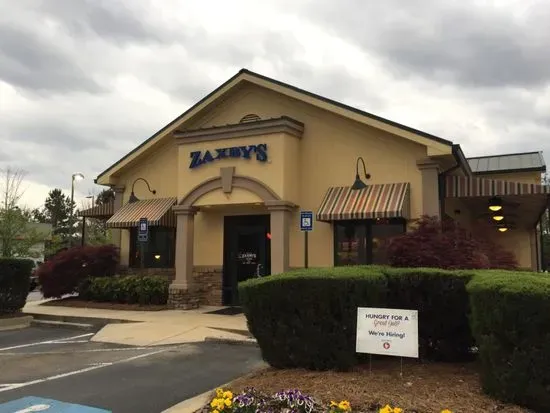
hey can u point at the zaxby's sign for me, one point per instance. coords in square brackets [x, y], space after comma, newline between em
[259, 152]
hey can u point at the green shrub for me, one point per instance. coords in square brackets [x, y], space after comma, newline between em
[441, 299]
[510, 321]
[14, 284]
[307, 318]
[131, 289]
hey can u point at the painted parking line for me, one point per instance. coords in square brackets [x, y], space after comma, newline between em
[54, 341]
[96, 366]
[93, 350]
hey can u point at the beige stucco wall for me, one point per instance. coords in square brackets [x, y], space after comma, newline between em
[299, 170]
[160, 170]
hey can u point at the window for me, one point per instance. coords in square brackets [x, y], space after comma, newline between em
[360, 242]
[158, 251]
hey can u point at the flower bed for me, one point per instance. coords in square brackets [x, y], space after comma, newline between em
[289, 401]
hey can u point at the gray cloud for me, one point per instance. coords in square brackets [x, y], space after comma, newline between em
[447, 41]
[111, 73]
[114, 20]
[27, 61]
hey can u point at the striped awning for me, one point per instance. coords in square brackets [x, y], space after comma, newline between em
[98, 211]
[157, 211]
[375, 201]
[462, 186]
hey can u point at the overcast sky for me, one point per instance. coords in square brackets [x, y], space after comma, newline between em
[82, 82]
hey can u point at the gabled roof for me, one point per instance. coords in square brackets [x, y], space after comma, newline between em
[435, 144]
[506, 163]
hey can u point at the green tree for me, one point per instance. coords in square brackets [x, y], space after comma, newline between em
[105, 196]
[97, 232]
[17, 234]
[57, 211]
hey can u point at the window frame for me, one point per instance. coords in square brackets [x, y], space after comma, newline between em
[134, 247]
[368, 224]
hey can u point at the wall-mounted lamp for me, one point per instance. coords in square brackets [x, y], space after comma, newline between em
[495, 204]
[498, 216]
[157, 257]
[133, 197]
[503, 229]
[359, 184]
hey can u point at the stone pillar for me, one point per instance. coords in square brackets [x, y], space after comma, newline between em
[116, 233]
[280, 213]
[181, 294]
[431, 204]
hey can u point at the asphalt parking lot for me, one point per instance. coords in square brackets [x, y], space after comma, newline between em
[64, 365]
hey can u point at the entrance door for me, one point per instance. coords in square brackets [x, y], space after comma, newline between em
[246, 252]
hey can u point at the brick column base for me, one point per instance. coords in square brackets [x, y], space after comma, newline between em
[181, 298]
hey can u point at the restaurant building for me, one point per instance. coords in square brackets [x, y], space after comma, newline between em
[222, 188]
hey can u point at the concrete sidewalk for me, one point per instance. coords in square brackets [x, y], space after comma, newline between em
[153, 328]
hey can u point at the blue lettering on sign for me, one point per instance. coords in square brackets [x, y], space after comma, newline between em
[199, 158]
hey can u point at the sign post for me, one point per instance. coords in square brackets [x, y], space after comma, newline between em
[306, 225]
[143, 237]
[387, 331]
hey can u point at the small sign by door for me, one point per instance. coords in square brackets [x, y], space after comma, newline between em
[143, 230]
[306, 221]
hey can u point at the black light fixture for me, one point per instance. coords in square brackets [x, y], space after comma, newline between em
[133, 197]
[359, 184]
[495, 204]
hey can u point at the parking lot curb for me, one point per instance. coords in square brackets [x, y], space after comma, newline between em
[95, 321]
[221, 340]
[14, 323]
[63, 324]
[198, 402]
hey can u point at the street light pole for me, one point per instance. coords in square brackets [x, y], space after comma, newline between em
[75, 177]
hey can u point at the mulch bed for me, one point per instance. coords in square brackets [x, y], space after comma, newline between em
[78, 303]
[424, 388]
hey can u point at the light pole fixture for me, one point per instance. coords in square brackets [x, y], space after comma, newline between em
[74, 178]
[498, 216]
[495, 204]
[133, 197]
[359, 184]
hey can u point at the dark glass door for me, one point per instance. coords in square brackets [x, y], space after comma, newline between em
[246, 252]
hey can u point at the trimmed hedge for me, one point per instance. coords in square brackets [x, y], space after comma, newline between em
[510, 321]
[131, 289]
[441, 299]
[308, 318]
[15, 281]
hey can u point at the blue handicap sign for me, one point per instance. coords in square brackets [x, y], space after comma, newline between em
[32, 404]
[306, 221]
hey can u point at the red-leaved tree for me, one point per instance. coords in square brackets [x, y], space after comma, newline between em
[446, 244]
[64, 272]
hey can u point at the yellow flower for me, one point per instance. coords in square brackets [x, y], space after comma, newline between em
[228, 395]
[446, 411]
[333, 404]
[344, 405]
[397, 410]
[214, 403]
[386, 409]
[221, 404]
[228, 402]
[219, 392]
[215, 411]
